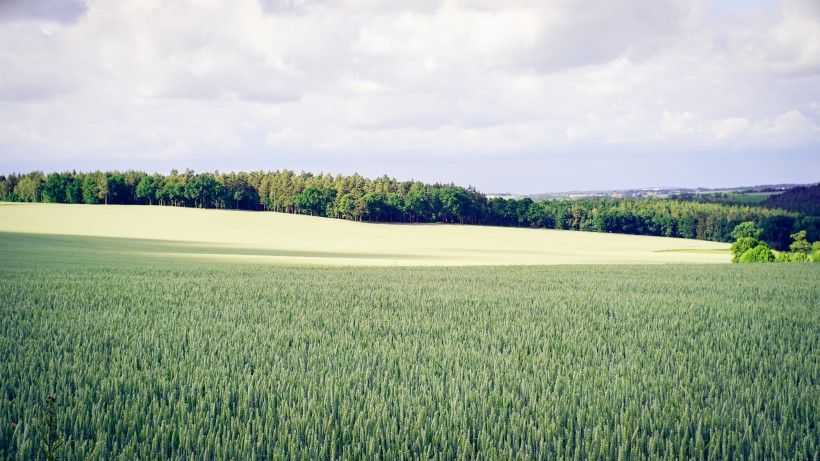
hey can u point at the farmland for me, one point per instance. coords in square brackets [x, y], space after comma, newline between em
[49, 233]
[152, 355]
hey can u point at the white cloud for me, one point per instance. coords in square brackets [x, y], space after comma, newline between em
[286, 137]
[208, 83]
[785, 130]
[678, 123]
[730, 128]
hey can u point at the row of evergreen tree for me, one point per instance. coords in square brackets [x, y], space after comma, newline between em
[385, 199]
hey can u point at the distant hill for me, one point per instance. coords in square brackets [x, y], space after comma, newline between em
[741, 195]
[802, 199]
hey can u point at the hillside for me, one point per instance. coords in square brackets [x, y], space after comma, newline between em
[147, 234]
[803, 199]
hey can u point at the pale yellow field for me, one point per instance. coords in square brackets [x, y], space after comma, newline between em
[265, 237]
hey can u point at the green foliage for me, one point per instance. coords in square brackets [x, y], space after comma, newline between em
[777, 230]
[202, 190]
[7, 184]
[800, 244]
[172, 193]
[375, 206]
[801, 250]
[74, 191]
[568, 362]
[538, 217]
[803, 199]
[91, 190]
[739, 197]
[747, 229]
[314, 201]
[29, 188]
[116, 191]
[147, 190]
[455, 204]
[308, 201]
[418, 202]
[54, 189]
[742, 245]
[101, 185]
[759, 254]
[800, 257]
[347, 207]
[789, 257]
[395, 206]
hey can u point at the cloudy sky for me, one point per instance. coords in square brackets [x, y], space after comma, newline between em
[517, 96]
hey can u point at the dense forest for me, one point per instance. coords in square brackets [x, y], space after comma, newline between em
[802, 199]
[388, 200]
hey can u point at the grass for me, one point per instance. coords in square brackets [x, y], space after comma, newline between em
[119, 234]
[752, 198]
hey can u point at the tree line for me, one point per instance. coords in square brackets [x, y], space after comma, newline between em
[385, 199]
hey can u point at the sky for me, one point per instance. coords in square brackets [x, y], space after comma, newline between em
[516, 96]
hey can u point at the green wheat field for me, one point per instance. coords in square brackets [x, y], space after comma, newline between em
[130, 335]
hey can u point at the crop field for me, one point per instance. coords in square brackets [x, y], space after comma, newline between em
[753, 198]
[282, 362]
[43, 232]
[109, 354]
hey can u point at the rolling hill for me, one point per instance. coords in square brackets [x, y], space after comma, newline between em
[143, 234]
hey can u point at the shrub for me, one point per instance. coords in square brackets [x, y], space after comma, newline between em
[800, 245]
[759, 254]
[793, 257]
[800, 257]
[742, 245]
